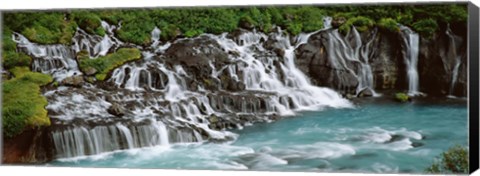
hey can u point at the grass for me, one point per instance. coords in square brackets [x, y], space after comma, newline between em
[23, 104]
[106, 64]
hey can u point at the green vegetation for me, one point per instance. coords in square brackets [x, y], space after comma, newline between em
[41, 27]
[389, 24]
[11, 58]
[402, 97]
[58, 27]
[103, 65]
[360, 22]
[454, 160]
[23, 104]
[425, 27]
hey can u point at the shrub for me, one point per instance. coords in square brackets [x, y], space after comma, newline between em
[425, 27]
[361, 23]
[51, 27]
[107, 63]
[13, 59]
[454, 160]
[88, 21]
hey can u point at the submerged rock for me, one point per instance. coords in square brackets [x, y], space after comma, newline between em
[365, 93]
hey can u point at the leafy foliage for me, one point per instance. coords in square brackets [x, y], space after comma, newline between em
[89, 22]
[454, 160]
[360, 22]
[56, 27]
[107, 63]
[425, 27]
[23, 104]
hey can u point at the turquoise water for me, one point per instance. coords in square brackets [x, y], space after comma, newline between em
[373, 137]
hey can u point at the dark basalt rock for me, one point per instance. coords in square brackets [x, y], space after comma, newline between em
[417, 144]
[312, 58]
[196, 52]
[437, 62]
[365, 93]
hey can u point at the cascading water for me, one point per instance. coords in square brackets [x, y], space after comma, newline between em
[453, 48]
[57, 60]
[163, 103]
[411, 42]
[341, 52]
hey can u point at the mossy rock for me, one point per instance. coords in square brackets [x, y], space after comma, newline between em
[90, 79]
[402, 97]
[105, 64]
[23, 103]
[213, 119]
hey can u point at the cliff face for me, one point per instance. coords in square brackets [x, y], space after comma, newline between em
[443, 61]
[441, 67]
[31, 146]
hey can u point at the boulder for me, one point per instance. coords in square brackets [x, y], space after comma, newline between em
[313, 59]
[89, 71]
[76, 81]
[367, 92]
[116, 110]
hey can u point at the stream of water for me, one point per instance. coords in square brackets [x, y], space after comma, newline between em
[372, 137]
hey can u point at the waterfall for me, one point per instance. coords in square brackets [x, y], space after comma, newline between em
[57, 60]
[327, 22]
[411, 41]
[341, 52]
[155, 36]
[165, 102]
[453, 48]
[82, 140]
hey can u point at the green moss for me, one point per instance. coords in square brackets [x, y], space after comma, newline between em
[90, 79]
[101, 76]
[454, 160]
[23, 104]
[389, 24]
[107, 63]
[402, 97]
